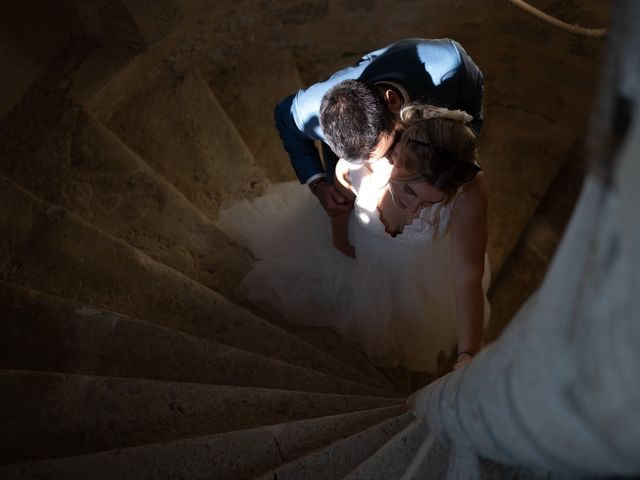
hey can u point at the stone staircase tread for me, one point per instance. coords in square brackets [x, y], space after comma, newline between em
[92, 82]
[90, 172]
[45, 333]
[54, 251]
[518, 185]
[338, 459]
[395, 456]
[49, 415]
[223, 456]
[135, 363]
[261, 76]
[333, 344]
[178, 126]
[112, 75]
[524, 269]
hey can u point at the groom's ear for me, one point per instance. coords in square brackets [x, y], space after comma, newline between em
[393, 100]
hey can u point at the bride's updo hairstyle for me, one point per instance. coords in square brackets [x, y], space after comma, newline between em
[437, 146]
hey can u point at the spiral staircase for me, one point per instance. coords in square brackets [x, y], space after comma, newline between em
[125, 351]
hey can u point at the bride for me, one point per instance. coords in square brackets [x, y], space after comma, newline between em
[405, 274]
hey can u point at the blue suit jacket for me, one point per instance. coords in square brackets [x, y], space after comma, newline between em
[437, 72]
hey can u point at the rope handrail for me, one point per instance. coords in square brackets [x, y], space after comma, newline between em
[545, 17]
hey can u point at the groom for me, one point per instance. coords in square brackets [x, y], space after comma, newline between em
[355, 112]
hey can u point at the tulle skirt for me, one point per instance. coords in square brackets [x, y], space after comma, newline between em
[395, 300]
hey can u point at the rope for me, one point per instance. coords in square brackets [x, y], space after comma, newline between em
[545, 17]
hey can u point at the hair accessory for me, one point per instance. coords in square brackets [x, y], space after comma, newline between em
[439, 112]
[416, 111]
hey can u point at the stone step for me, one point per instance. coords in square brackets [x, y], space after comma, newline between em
[341, 457]
[333, 344]
[52, 250]
[533, 117]
[46, 333]
[112, 75]
[178, 126]
[238, 455]
[524, 270]
[50, 415]
[100, 83]
[76, 162]
[392, 460]
[520, 170]
[257, 76]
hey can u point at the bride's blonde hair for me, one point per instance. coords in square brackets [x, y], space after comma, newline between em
[437, 146]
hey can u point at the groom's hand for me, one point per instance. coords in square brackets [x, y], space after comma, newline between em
[331, 199]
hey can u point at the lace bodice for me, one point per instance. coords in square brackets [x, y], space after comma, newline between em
[431, 224]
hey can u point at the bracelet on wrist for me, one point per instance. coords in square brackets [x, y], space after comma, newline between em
[466, 352]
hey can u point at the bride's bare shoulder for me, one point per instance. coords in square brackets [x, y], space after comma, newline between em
[475, 191]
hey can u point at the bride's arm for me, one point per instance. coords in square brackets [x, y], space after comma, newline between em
[340, 223]
[342, 180]
[469, 243]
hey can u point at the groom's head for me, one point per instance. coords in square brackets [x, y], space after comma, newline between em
[359, 119]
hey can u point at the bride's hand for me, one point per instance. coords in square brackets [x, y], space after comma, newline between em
[331, 199]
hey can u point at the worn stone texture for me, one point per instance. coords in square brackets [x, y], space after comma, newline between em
[337, 347]
[214, 456]
[519, 171]
[48, 415]
[248, 89]
[99, 69]
[45, 333]
[51, 250]
[342, 456]
[181, 130]
[539, 85]
[72, 160]
[526, 266]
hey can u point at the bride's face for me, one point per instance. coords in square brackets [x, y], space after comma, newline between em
[412, 195]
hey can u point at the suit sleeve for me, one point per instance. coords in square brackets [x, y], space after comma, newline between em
[471, 90]
[300, 146]
[298, 123]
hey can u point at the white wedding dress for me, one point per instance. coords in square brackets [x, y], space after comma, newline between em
[395, 299]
